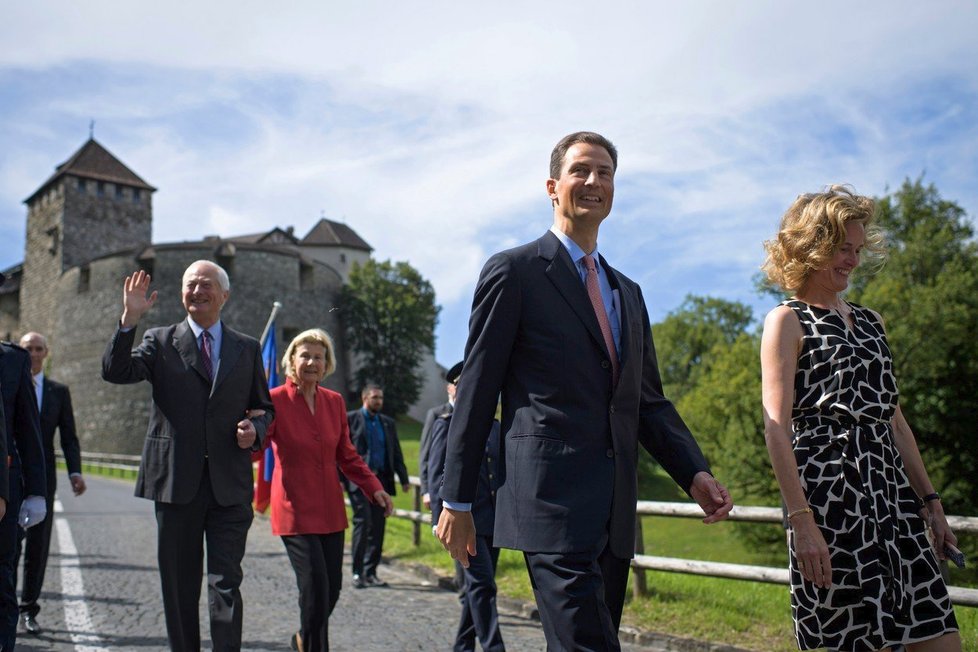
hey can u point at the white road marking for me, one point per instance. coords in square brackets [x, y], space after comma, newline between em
[77, 620]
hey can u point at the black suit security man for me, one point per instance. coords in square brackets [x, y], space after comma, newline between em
[477, 584]
[429, 421]
[54, 404]
[565, 338]
[196, 463]
[27, 481]
[375, 437]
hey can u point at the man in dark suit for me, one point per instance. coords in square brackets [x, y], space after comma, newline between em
[477, 585]
[27, 482]
[429, 421]
[54, 402]
[196, 465]
[375, 436]
[565, 338]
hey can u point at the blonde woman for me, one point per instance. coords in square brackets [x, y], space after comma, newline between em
[309, 438]
[863, 574]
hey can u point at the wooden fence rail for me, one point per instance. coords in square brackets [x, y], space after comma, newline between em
[642, 562]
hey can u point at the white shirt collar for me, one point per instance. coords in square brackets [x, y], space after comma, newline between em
[575, 251]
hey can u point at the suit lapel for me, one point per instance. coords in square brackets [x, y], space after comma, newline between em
[231, 345]
[565, 278]
[46, 397]
[626, 308]
[186, 345]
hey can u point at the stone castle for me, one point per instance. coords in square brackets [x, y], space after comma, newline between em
[89, 225]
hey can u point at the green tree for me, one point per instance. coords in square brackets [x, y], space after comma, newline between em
[687, 335]
[927, 293]
[389, 314]
[687, 343]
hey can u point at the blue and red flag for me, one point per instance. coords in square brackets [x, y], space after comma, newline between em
[266, 463]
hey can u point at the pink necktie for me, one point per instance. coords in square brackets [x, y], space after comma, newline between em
[205, 354]
[594, 293]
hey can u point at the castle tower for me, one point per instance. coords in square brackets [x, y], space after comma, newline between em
[91, 206]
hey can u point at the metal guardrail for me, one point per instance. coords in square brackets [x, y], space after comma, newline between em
[642, 562]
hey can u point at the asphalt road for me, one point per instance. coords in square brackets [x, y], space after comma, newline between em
[101, 591]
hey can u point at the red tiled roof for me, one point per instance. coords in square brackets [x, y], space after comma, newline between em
[92, 161]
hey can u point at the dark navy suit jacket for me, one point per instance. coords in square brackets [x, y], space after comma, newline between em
[56, 414]
[490, 478]
[570, 439]
[24, 450]
[193, 418]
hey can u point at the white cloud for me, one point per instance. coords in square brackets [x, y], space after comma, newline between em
[428, 127]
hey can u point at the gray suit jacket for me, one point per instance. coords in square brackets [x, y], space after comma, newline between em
[192, 418]
[570, 439]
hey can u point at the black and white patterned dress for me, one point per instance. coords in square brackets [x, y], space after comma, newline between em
[886, 583]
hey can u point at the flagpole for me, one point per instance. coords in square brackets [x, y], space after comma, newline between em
[271, 320]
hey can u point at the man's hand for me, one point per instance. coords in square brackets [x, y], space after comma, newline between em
[406, 487]
[78, 484]
[711, 496]
[383, 498]
[456, 531]
[426, 500]
[32, 511]
[246, 433]
[134, 300]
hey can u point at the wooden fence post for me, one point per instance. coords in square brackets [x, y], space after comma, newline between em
[639, 587]
[416, 529]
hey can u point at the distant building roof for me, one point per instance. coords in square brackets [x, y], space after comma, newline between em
[330, 233]
[275, 236]
[92, 161]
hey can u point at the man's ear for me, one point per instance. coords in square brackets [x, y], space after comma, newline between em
[552, 189]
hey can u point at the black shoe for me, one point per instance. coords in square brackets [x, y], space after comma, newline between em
[30, 624]
[373, 580]
[358, 582]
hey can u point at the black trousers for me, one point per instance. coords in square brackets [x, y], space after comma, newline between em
[580, 597]
[181, 531]
[317, 560]
[479, 619]
[35, 543]
[368, 534]
[9, 613]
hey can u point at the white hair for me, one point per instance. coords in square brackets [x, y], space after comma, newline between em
[222, 275]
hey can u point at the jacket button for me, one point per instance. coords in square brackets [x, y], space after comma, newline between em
[605, 364]
[612, 409]
[610, 452]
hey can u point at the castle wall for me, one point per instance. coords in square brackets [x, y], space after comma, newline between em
[113, 418]
[71, 223]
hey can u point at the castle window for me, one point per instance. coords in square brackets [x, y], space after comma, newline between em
[84, 279]
[135, 195]
[118, 191]
[305, 276]
[342, 258]
[81, 185]
[53, 244]
[100, 188]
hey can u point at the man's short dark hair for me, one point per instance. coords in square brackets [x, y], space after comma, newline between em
[568, 141]
[369, 387]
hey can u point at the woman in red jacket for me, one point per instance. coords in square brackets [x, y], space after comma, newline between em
[309, 438]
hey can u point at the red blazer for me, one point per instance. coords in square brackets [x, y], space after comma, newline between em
[306, 495]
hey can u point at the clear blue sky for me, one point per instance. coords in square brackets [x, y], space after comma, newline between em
[428, 126]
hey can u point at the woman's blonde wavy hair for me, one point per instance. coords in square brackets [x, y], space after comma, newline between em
[813, 229]
[311, 336]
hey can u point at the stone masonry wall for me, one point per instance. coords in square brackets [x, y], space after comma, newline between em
[113, 418]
